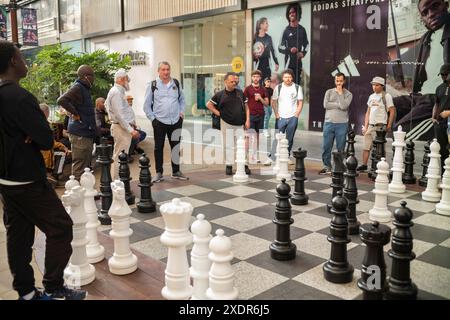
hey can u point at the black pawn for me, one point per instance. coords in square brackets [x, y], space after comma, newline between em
[337, 176]
[351, 193]
[282, 248]
[400, 285]
[299, 198]
[104, 160]
[337, 269]
[124, 176]
[408, 176]
[373, 270]
[146, 203]
[423, 181]
[350, 143]
[380, 152]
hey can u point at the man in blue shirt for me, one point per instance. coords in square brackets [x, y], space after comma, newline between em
[164, 106]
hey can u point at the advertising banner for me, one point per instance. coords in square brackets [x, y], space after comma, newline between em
[29, 27]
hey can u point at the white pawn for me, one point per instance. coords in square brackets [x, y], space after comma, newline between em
[283, 157]
[443, 207]
[432, 193]
[70, 184]
[123, 260]
[278, 136]
[95, 252]
[221, 275]
[240, 175]
[176, 237]
[398, 167]
[380, 211]
[78, 272]
[200, 263]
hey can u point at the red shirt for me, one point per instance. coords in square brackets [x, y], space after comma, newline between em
[256, 107]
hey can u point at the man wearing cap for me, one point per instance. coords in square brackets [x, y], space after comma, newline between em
[441, 116]
[121, 116]
[379, 116]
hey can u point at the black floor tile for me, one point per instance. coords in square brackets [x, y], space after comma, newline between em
[162, 196]
[265, 196]
[267, 212]
[212, 211]
[320, 197]
[437, 256]
[429, 234]
[265, 185]
[142, 231]
[293, 290]
[213, 196]
[268, 232]
[215, 184]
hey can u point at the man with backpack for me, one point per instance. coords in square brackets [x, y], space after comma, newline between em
[231, 106]
[164, 106]
[28, 199]
[379, 116]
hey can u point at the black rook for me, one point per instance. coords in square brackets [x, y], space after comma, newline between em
[146, 203]
[299, 198]
[104, 160]
[124, 176]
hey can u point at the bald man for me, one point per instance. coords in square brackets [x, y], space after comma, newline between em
[82, 127]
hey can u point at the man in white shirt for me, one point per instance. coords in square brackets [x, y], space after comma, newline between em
[122, 117]
[287, 104]
[379, 116]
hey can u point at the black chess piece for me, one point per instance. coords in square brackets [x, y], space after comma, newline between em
[299, 197]
[351, 193]
[124, 176]
[423, 181]
[337, 269]
[400, 285]
[350, 143]
[391, 173]
[373, 270]
[104, 160]
[380, 152]
[337, 176]
[408, 176]
[282, 248]
[146, 203]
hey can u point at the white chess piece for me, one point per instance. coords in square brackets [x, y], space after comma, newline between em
[283, 158]
[200, 263]
[123, 260]
[95, 252]
[240, 175]
[70, 184]
[176, 237]
[278, 136]
[221, 275]
[432, 193]
[380, 211]
[78, 272]
[443, 207]
[398, 167]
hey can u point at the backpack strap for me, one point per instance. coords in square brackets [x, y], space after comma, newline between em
[154, 87]
[279, 89]
[177, 83]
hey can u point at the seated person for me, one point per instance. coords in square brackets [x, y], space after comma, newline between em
[102, 121]
[142, 135]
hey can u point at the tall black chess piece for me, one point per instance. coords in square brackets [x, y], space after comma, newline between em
[380, 152]
[408, 176]
[337, 176]
[104, 160]
[124, 176]
[337, 269]
[350, 143]
[351, 193]
[146, 203]
[299, 198]
[425, 162]
[400, 285]
[282, 248]
[373, 270]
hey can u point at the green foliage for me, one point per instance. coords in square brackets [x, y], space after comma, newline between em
[54, 71]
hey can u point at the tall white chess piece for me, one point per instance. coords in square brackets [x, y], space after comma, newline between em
[432, 193]
[398, 167]
[443, 207]
[380, 211]
[283, 158]
[240, 175]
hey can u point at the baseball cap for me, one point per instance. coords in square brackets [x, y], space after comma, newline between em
[378, 80]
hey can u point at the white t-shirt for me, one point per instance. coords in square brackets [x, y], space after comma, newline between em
[433, 65]
[378, 112]
[287, 101]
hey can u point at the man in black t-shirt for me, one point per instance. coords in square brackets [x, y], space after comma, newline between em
[441, 114]
[231, 106]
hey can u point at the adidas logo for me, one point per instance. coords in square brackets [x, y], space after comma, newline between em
[347, 67]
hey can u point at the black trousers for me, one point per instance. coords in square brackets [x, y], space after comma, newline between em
[27, 207]
[440, 133]
[160, 131]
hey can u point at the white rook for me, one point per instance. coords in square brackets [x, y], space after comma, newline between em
[240, 175]
[221, 275]
[278, 136]
[283, 157]
[95, 252]
[380, 211]
[432, 193]
[398, 167]
[443, 207]
[176, 237]
[200, 263]
[123, 260]
[79, 272]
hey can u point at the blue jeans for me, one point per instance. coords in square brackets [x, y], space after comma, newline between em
[288, 126]
[267, 115]
[332, 131]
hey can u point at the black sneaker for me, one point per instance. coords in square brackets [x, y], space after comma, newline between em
[247, 170]
[325, 171]
[229, 170]
[38, 295]
[140, 150]
[180, 176]
[66, 293]
[362, 168]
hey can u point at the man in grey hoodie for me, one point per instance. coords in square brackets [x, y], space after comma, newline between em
[336, 103]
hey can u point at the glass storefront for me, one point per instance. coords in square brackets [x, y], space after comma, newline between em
[208, 46]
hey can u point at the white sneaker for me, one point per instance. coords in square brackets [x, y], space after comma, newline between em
[268, 162]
